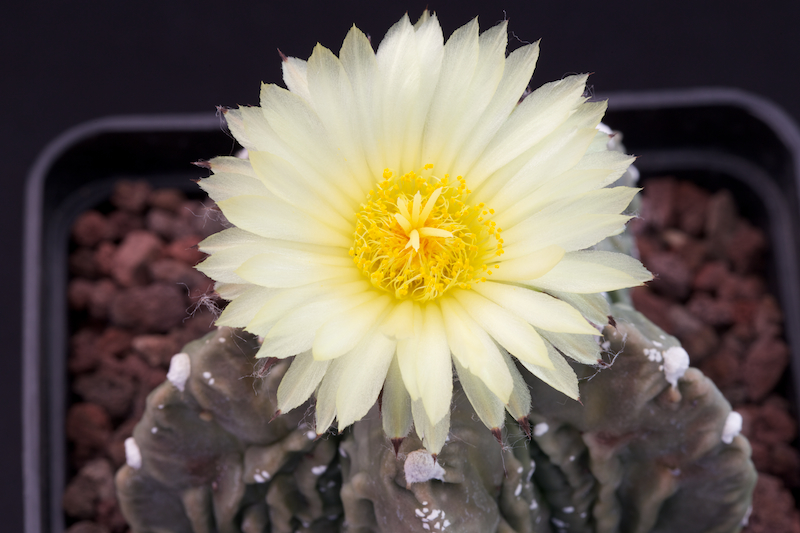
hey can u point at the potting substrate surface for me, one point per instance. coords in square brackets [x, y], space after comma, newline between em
[135, 300]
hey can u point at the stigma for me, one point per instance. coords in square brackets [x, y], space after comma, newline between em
[417, 236]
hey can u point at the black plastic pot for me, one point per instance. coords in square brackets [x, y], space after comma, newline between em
[718, 138]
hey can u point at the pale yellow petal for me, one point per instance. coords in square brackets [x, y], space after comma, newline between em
[519, 403]
[593, 306]
[581, 348]
[433, 435]
[300, 381]
[295, 332]
[295, 76]
[530, 122]
[433, 365]
[531, 266]
[592, 271]
[275, 219]
[538, 309]
[342, 333]
[364, 371]
[241, 310]
[292, 268]
[396, 404]
[561, 377]
[517, 72]
[475, 350]
[489, 408]
[293, 187]
[510, 331]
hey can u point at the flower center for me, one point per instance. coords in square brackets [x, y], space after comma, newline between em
[417, 237]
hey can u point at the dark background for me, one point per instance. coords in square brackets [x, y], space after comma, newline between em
[66, 62]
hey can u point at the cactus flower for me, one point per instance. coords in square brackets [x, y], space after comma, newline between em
[403, 214]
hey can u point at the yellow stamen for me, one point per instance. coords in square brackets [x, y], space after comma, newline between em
[417, 238]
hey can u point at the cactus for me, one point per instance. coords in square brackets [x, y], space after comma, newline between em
[638, 455]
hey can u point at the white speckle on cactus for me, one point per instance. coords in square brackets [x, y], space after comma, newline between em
[657, 344]
[424, 509]
[571, 458]
[206, 375]
[559, 523]
[733, 425]
[518, 490]
[653, 354]
[426, 526]
[161, 406]
[606, 345]
[342, 452]
[419, 513]
[211, 381]
[676, 362]
[519, 470]
[434, 514]
[319, 470]
[180, 366]
[746, 517]
[568, 510]
[420, 467]
[133, 456]
[540, 429]
[154, 430]
[311, 435]
[221, 340]
[534, 504]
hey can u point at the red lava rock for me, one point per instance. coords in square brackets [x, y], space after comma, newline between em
[710, 310]
[710, 276]
[773, 508]
[722, 216]
[103, 292]
[89, 347]
[178, 273]
[157, 350]
[131, 257]
[673, 275]
[722, 368]
[768, 319]
[104, 258]
[123, 223]
[90, 228]
[653, 307]
[156, 308]
[168, 199]
[735, 287]
[658, 203]
[79, 291]
[112, 391]
[185, 250]
[764, 364]
[79, 498]
[163, 223]
[774, 424]
[692, 251]
[86, 526]
[88, 425]
[203, 220]
[698, 339]
[90, 489]
[691, 208]
[745, 247]
[116, 445]
[82, 263]
[130, 195]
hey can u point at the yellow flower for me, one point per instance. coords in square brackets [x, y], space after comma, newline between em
[402, 214]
